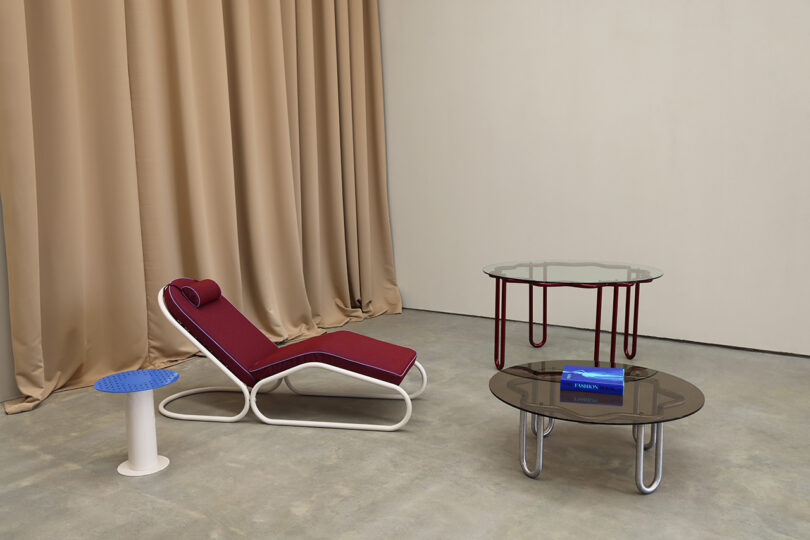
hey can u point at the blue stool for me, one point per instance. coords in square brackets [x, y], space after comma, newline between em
[139, 385]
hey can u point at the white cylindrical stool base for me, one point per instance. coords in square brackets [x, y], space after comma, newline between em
[143, 456]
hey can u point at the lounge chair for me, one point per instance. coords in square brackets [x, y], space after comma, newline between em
[200, 312]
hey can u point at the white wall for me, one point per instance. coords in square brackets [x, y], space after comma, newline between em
[673, 134]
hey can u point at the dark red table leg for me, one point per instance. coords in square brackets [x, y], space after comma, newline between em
[500, 320]
[497, 319]
[613, 326]
[627, 352]
[598, 325]
[531, 315]
[503, 323]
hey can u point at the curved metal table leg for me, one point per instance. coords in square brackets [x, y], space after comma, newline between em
[497, 319]
[531, 316]
[538, 464]
[646, 489]
[613, 326]
[653, 436]
[631, 352]
[500, 322]
[546, 430]
[598, 326]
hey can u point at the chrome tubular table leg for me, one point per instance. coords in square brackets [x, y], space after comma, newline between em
[538, 464]
[646, 489]
[653, 434]
[653, 431]
[546, 430]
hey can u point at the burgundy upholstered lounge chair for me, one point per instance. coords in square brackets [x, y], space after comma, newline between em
[200, 312]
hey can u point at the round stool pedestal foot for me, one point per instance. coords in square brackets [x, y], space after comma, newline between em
[126, 468]
[143, 458]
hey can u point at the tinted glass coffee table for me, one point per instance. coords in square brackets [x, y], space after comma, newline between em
[650, 397]
[580, 274]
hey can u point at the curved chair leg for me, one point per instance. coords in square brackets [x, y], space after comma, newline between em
[422, 387]
[206, 417]
[240, 386]
[646, 489]
[538, 463]
[339, 425]
[548, 427]
[418, 392]
[653, 434]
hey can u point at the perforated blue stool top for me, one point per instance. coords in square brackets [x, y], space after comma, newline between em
[136, 380]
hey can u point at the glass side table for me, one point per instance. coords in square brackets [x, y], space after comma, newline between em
[139, 386]
[580, 274]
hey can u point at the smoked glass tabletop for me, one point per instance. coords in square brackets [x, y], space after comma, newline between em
[650, 396]
[574, 272]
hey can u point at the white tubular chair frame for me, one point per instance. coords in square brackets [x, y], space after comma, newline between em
[412, 395]
[276, 380]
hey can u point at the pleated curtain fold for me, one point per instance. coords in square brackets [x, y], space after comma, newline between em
[143, 140]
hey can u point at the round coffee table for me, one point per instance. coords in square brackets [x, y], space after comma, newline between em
[580, 274]
[650, 397]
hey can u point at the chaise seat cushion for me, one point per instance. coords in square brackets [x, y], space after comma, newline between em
[346, 350]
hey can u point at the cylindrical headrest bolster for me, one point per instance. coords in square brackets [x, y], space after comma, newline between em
[201, 292]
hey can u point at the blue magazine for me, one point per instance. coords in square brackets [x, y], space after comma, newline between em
[592, 379]
[590, 398]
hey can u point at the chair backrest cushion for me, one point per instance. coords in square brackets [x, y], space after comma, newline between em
[208, 316]
[202, 292]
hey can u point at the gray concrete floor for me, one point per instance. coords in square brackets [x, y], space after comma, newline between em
[736, 469]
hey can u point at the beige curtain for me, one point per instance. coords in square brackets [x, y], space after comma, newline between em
[143, 140]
